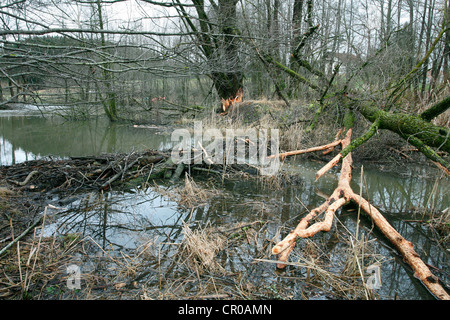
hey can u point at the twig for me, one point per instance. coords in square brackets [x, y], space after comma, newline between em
[23, 234]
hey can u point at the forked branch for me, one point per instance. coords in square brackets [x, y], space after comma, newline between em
[341, 196]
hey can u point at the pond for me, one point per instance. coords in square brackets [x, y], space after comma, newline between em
[29, 137]
[125, 220]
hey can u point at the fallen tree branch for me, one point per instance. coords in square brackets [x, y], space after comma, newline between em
[341, 196]
[23, 234]
[328, 166]
[31, 227]
[27, 179]
[359, 141]
[406, 248]
[408, 126]
[285, 246]
[313, 149]
[436, 109]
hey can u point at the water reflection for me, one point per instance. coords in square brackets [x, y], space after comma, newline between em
[30, 137]
[402, 189]
[418, 187]
[118, 220]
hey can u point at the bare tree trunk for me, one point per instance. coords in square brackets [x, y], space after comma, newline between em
[297, 18]
[109, 102]
[446, 53]
[219, 43]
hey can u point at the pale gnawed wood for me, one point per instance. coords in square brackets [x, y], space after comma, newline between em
[405, 247]
[341, 195]
[313, 149]
[328, 166]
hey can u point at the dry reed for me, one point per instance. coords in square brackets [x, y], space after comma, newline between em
[199, 249]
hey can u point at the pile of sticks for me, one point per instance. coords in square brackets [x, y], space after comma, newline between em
[102, 172]
[80, 173]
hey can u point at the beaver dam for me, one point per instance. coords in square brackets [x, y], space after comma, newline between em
[135, 225]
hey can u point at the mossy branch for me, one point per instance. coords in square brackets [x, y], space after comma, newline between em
[292, 73]
[426, 150]
[362, 139]
[349, 119]
[302, 42]
[407, 125]
[305, 64]
[436, 109]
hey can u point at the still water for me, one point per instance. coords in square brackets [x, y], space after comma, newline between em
[31, 137]
[124, 220]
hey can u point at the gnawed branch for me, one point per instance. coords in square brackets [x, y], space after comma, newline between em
[313, 149]
[341, 196]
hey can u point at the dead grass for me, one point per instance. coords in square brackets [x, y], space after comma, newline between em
[361, 257]
[343, 279]
[192, 195]
[198, 266]
[199, 249]
[36, 268]
[189, 195]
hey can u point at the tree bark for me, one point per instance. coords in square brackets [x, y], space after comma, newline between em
[109, 102]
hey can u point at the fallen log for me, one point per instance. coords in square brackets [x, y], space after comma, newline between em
[341, 196]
